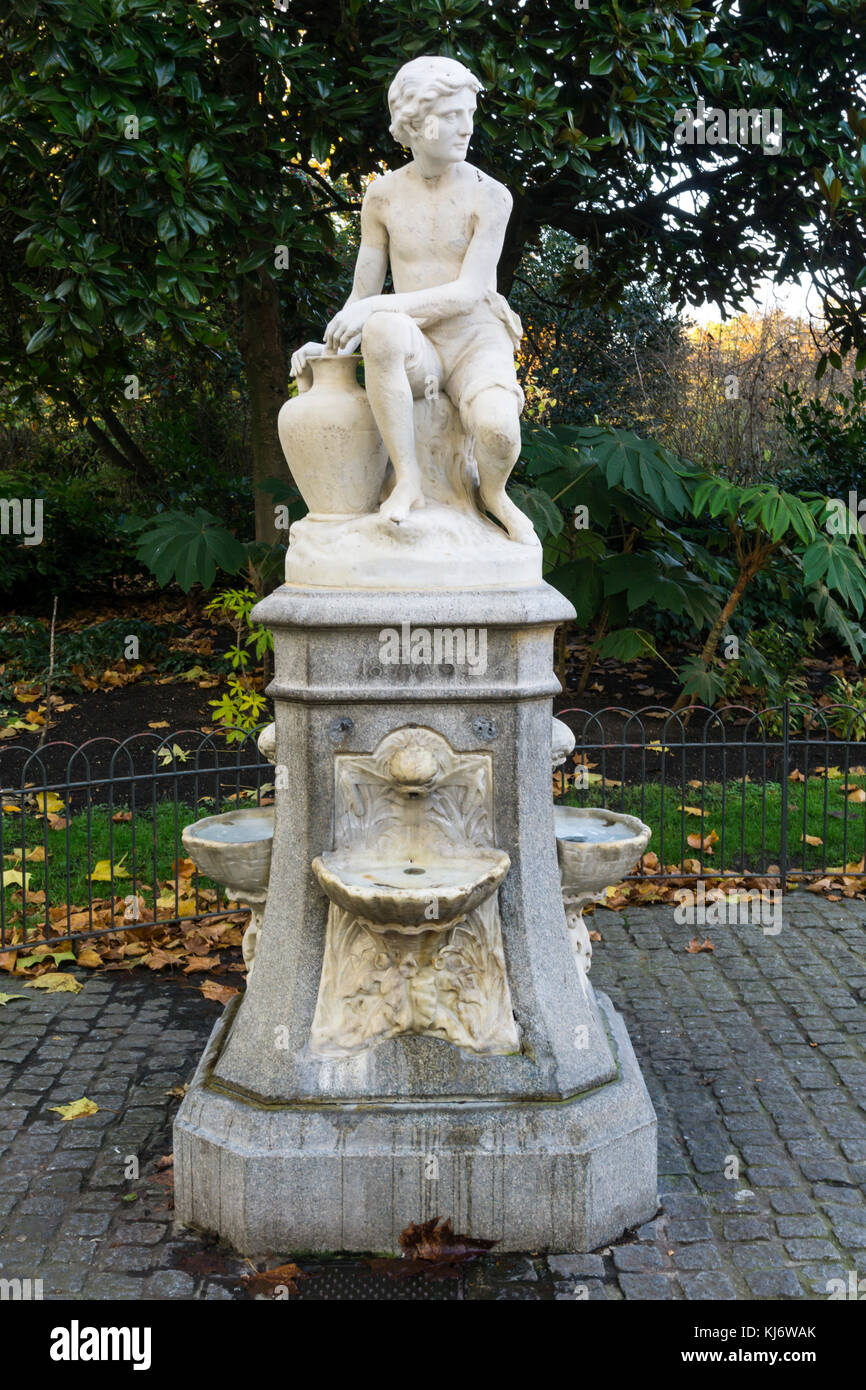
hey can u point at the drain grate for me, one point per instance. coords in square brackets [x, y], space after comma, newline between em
[357, 1283]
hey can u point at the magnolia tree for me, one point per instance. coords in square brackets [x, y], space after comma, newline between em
[158, 160]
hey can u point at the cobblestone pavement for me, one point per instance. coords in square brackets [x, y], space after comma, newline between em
[755, 1055]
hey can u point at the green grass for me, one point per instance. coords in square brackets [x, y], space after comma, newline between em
[749, 837]
[71, 855]
[749, 828]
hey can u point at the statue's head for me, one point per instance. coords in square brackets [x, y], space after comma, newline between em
[432, 102]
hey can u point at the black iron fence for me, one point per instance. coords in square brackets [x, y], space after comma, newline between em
[778, 793]
[90, 837]
[84, 829]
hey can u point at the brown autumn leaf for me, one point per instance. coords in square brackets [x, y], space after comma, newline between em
[813, 839]
[695, 946]
[858, 795]
[796, 776]
[184, 868]
[167, 1161]
[270, 1281]
[122, 817]
[220, 993]
[158, 959]
[706, 844]
[158, 724]
[89, 957]
[432, 1249]
[35, 854]
[201, 963]
[691, 811]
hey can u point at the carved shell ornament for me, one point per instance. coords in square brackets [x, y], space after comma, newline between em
[413, 807]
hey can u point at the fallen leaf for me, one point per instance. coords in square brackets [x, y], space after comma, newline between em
[56, 983]
[41, 954]
[695, 946]
[271, 1280]
[76, 1109]
[50, 803]
[201, 963]
[167, 1161]
[220, 993]
[858, 795]
[10, 878]
[432, 1249]
[813, 839]
[35, 854]
[705, 844]
[103, 871]
[122, 817]
[88, 957]
[158, 724]
[5, 998]
[691, 810]
[158, 959]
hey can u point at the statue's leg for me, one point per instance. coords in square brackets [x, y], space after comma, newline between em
[493, 417]
[398, 362]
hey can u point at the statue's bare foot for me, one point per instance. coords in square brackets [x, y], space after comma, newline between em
[405, 497]
[518, 526]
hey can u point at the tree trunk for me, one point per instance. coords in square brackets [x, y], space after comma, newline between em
[516, 235]
[752, 566]
[267, 368]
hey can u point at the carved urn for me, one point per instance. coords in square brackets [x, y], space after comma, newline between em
[331, 443]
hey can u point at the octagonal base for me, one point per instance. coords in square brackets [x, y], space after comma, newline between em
[564, 1176]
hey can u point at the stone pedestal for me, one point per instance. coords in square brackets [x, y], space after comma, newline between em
[366, 1081]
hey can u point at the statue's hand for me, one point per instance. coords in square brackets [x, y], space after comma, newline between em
[300, 364]
[346, 327]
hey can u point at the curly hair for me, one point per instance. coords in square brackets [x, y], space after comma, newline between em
[418, 86]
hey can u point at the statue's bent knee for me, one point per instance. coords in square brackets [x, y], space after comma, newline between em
[386, 334]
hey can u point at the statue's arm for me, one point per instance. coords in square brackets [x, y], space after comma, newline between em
[371, 268]
[477, 276]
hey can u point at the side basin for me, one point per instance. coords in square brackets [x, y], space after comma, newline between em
[596, 847]
[233, 849]
[423, 894]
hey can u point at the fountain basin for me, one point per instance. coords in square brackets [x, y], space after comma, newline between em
[425, 893]
[234, 849]
[596, 847]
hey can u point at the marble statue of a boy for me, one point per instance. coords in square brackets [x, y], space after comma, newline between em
[441, 224]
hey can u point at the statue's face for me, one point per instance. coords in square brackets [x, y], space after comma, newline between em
[445, 132]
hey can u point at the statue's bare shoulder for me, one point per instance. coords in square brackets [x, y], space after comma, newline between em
[484, 196]
[492, 195]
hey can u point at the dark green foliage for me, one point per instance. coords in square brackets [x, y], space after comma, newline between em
[186, 548]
